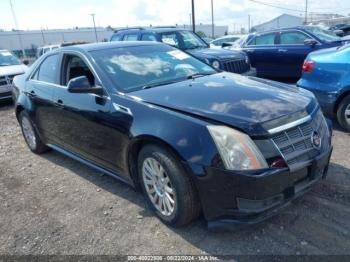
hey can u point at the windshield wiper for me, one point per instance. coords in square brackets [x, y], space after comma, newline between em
[160, 84]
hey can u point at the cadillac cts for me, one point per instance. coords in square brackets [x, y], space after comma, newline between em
[193, 139]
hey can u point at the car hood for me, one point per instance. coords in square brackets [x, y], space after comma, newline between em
[12, 70]
[250, 104]
[213, 53]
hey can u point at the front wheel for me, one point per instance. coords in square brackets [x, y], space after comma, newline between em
[30, 135]
[167, 187]
[343, 113]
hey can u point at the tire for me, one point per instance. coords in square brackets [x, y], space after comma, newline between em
[185, 207]
[343, 113]
[30, 135]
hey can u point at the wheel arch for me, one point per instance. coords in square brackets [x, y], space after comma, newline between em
[137, 144]
[340, 99]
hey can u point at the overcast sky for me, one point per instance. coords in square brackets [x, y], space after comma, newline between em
[36, 14]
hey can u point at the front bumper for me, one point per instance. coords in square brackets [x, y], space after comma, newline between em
[5, 92]
[246, 198]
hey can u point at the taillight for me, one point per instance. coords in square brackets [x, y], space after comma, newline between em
[308, 66]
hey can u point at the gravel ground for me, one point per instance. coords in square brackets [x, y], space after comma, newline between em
[51, 204]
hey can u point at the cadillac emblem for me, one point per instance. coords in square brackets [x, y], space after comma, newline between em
[8, 80]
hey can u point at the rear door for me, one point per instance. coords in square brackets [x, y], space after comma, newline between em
[39, 89]
[292, 52]
[263, 54]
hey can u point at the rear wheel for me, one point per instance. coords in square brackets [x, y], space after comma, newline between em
[167, 187]
[343, 113]
[30, 135]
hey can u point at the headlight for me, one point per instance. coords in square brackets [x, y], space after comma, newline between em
[216, 64]
[237, 150]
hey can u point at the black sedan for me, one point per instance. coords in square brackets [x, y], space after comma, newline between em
[193, 139]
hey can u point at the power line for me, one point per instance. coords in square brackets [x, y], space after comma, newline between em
[276, 6]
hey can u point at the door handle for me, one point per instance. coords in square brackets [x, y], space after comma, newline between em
[59, 103]
[250, 50]
[32, 93]
[282, 50]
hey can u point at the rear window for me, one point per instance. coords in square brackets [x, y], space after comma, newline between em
[268, 39]
[132, 37]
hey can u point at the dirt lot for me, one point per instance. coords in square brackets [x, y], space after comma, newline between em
[51, 204]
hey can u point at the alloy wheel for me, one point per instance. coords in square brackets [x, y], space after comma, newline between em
[28, 133]
[158, 186]
[347, 114]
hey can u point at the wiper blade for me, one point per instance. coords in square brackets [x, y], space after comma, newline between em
[160, 84]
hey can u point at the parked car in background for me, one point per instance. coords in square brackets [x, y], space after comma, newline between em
[10, 66]
[281, 53]
[207, 39]
[45, 49]
[227, 60]
[224, 41]
[48, 48]
[341, 29]
[192, 138]
[326, 73]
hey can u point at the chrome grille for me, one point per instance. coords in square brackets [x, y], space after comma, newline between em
[236, 66]
[4, 79]
[296, 144]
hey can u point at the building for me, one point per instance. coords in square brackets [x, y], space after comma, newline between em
[31, 40]
[206, 29]
[281, 21]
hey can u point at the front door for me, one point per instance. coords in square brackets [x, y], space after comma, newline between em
[85, 126]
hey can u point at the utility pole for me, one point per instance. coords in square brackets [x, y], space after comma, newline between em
[16, 25]
[212, 20]
[42, 34]
[93, 20]
[193, 18]
[248, 24]
[306, 6]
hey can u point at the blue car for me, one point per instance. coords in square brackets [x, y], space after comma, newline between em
[326, 74]
[227, 60]
[281, 53]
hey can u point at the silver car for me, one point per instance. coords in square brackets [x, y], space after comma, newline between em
[10, 66]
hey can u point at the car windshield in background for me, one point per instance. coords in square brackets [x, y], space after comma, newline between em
[183, 40]
[8, 59]
[140, 67]
[324, 35]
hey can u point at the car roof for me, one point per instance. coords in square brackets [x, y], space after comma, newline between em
[283, 29]
[108, 45]
[151, 29]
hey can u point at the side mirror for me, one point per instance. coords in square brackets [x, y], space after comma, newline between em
[25, 62]
[226, 45]
[81, 85]
[339, 32]
[310, 42]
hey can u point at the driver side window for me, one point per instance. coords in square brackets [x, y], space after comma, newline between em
[75, 67]
[170, 39]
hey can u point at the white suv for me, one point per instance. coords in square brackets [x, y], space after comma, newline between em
[10, 66]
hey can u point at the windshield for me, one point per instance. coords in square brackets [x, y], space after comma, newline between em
[183, 40]
[140, 67]
[324, 35]
[8, 59]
